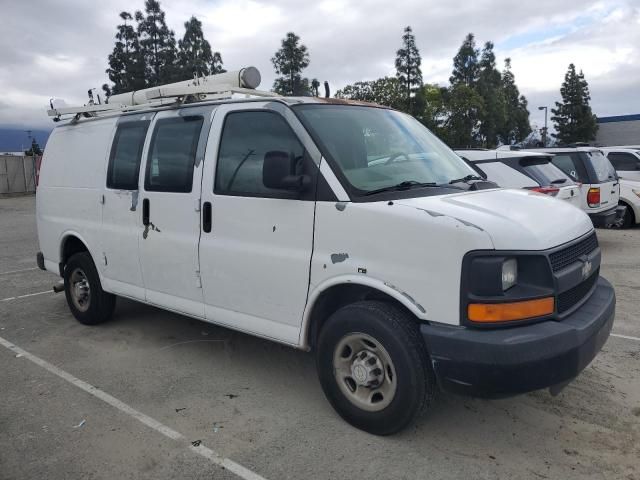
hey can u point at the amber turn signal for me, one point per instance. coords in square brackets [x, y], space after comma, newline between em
[506, 312]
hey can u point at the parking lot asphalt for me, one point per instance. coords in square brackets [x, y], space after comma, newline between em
[259, 405]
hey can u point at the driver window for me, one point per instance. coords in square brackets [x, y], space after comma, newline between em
[246, 138]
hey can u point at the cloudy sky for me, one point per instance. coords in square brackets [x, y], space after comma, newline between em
[59, 48]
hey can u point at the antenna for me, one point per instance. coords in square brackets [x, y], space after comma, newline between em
[211, 87]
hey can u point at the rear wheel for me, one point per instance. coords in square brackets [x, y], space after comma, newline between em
[374, 367]
[629, 219]
[86, 299]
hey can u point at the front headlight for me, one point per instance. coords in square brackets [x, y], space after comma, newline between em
[509, 274]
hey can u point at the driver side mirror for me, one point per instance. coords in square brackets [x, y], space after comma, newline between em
[279, 172]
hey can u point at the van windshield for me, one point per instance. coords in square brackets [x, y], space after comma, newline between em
[376, 148]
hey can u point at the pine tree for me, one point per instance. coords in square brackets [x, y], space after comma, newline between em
[126, 65]
[408, 63]
[158, 45]
[516, 125]
[465, 63]
[489, 87]
[574, 121]
[464, 103]
[216, 64]
[194, 51]
[289, 62]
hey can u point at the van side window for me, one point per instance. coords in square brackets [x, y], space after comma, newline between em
[124, 160]
[172, 154]
[246, 138]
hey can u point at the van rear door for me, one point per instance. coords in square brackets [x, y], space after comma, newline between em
[168, 212]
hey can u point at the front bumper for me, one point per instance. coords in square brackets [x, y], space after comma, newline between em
[605, 218]
[509, 361]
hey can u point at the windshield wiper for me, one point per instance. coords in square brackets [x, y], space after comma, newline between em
[466, 179]
[406, 185]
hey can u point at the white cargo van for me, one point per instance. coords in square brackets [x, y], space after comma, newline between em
[337, 227]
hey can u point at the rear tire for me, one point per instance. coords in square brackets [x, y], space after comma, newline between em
[629, 219]
[87, 301]
[373, 366]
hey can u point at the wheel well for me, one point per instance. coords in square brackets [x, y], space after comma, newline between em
[71, 246]
[629, 209]
[337, 297]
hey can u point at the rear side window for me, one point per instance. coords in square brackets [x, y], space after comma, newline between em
[506, 176]
[545, 172]
[246, 138]
[172, 154]
[567, 164]
[124, 161]
[624, 161]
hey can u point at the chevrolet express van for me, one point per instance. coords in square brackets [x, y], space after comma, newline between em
[341, 228]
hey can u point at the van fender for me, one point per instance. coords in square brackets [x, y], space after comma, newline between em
[72, 233]
[377, 284]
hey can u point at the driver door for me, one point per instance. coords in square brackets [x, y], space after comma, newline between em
[256, 243]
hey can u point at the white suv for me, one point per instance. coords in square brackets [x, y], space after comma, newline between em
[531, 171]
[342, 228]
[626, 161]
[600, 184]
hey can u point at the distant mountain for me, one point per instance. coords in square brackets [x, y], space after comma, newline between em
[14, 139]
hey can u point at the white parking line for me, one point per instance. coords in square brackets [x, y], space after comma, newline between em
[168, 432]
[19, 271]
[25, 296]
[628, 337]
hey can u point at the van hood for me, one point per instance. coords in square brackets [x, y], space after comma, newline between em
[514, 219]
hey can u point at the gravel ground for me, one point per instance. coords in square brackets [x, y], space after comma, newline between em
[260, 404]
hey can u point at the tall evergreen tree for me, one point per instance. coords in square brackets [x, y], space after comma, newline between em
[216, 64]
[194, 51]
[516, 125]
[387, 91]
[289, 62]
[465, 63]
[158, 45]
[573, 118]
[408, 63]
[489, 87]
[126, 65]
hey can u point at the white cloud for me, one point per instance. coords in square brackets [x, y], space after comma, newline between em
[348, 40]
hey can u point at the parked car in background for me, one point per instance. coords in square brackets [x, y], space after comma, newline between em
[626, 161]
[532, 171]
[630, 198]
[600, 189]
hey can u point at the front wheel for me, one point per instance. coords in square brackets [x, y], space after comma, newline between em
[86, 299]
[374, 367]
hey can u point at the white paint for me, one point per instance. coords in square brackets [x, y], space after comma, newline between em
[628, 337]
[18, 271]
[629, 191]
[26, 296]
[168, 432]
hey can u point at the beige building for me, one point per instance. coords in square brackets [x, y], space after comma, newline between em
[619, 130]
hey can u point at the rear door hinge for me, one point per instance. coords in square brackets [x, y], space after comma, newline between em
[197, 206]
[198, 279]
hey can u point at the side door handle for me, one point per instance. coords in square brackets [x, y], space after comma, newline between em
[206, 217]
[145, 212]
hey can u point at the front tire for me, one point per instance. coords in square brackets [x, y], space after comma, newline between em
[87, 301]
[628, 220]
[374, 367]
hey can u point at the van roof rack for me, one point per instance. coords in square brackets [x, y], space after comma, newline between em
[212, 87]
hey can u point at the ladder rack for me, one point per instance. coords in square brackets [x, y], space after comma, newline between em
[214, 87]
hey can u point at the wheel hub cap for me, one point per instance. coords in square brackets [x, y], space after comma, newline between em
[367, 369]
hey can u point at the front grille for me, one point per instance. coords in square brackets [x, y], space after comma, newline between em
[568, 299]
[565, 257]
